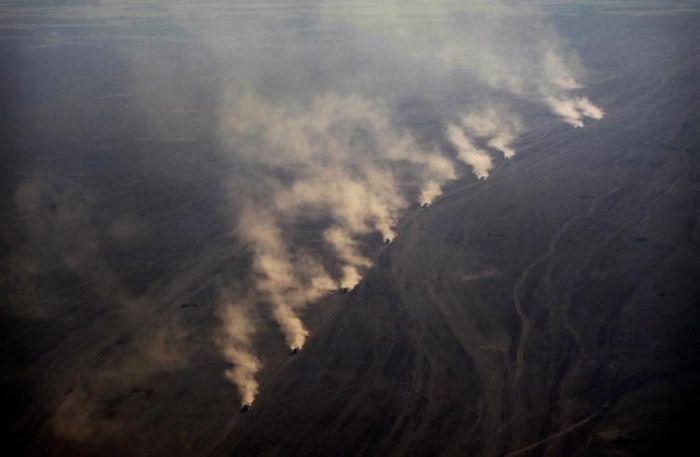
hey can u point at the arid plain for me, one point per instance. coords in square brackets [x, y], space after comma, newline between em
[550, 309]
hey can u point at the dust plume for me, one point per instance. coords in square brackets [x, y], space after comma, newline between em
[326, 161]
[496, 47]
[287, 282]
[322, 123]
[559, 92]
[467, 152]
[574, 110]
[431, 191]
[333, 164]
[235, 342]
[496, 126]
[347, 250]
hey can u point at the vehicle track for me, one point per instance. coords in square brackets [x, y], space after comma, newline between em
[525, 324]
[556, 435]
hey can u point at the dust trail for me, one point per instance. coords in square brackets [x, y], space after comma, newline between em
[332, 164]
[327, 156]
[467, 152]
[495, 125]
[348, 251]
[575, 110]
[288, 282]
[235, 342]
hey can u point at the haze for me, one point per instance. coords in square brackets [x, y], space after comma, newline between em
[350, 227]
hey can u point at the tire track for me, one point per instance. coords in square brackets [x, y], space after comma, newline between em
[525, 324]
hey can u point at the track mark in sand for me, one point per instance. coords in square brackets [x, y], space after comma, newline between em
[555, 436]
[524, 320]
[517, 289]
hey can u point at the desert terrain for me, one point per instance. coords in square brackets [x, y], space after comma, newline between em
[550, 309]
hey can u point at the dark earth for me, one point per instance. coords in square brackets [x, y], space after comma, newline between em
[551, 309]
